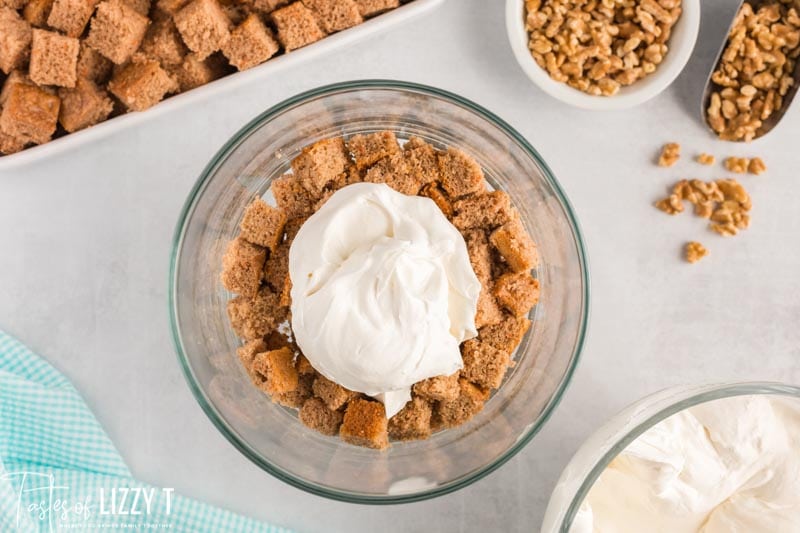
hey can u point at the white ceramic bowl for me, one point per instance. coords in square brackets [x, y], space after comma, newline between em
[681, 44]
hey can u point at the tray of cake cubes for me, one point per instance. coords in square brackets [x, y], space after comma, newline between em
[73, 70]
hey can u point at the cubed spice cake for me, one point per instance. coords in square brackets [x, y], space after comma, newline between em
[84, 53]
[256, 269]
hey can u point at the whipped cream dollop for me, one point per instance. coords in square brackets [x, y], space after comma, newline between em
[727, 465]
[383, 292]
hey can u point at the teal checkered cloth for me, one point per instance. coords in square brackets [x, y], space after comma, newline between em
[60, 472]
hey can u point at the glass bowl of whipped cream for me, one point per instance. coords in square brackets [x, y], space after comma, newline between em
[271, 435]
[689, 459]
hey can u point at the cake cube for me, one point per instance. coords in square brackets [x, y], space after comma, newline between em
[54, 59]
[37, 11]
[296, 398]
[12, 4]
[316, 415]
[369, 148]
[236, 13]
[412, 422]
[278, 371]
[304, 367]
[140, 6]
[468, 403]
[203, 26]
[515, 246]
[247, 354]
[163, 43]
[265, 7]
[480, 257]
[141, 84]
[320, 163]
[15, 40]
[393, 172]
[71, 16]
[421, 161]
[83, 106]
[16, 77]
[335, 15]
[92, 65]
[350, 176]
[251, 43]
[365, 424]
[482, 210]
[254, 317]
[29, 113]
[9, 144]
[439, 197]
[489, 311]
[438, 388]
[480, 254]
[170, 7]
[194, 72]
[370, 8]
[292, 197]
[263, 224]
[242, 266]
[484, 364]
[333, 394]
[296, 26]
[460, 174]
[117, 30]
[507, 334]
[276, 269]
[517, 292]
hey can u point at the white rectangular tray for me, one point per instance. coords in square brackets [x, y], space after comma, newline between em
[218, 87]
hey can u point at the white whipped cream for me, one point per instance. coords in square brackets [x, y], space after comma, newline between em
[383, 292]
[727, 465]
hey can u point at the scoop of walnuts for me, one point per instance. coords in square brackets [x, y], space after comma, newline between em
[756, 69]
[599, 46]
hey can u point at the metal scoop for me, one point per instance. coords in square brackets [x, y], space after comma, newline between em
[711, 87]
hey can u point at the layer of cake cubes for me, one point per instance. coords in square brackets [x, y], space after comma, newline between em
[66, 65]
[255, 268]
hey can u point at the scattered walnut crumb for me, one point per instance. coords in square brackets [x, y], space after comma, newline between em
[725, 202]
[671, 205]
[706, 159]
[737, 164]
[756, 166]
[695, 251]
[670, 154]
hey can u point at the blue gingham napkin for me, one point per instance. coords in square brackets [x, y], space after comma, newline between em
[60, 472]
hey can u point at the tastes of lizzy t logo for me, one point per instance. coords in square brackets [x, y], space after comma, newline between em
[48, 506]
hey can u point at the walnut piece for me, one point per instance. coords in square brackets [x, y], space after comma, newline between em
[756, 166]
[695, 251]
[670, 153]
[706, 159]
[737, 164]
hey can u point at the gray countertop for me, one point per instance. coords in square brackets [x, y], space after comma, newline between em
[86, 239]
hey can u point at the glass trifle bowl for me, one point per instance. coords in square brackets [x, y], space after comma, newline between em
[271, 435]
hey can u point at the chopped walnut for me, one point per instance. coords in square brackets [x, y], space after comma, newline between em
[695, 252]
[706, 159]
[737, 164]
[599, 47]
[756, 69]
[756, 166]
[670, 153]
[671, 205]
[725, 202]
